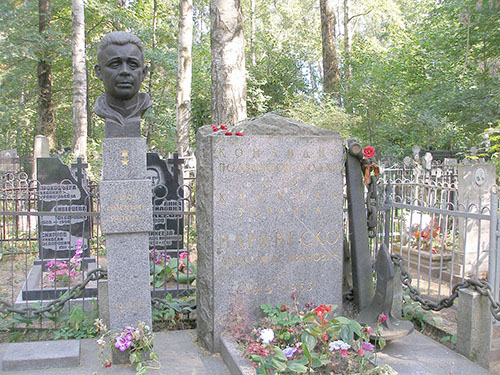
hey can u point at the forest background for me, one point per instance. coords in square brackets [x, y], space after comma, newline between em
[407, 72]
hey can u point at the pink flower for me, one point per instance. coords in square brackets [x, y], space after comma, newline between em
[183, 255]
[382, 318]
[369, 347]
[343, 352]
[50, 264]
[367, 330]
[360, 351]
[369, 152]
[325, 337]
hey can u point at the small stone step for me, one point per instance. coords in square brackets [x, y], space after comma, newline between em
[41, 355]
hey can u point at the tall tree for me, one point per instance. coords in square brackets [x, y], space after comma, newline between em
[331, 74]
[149, 122]
[79, 146]
[46, 124]
[184, 76]
[229, 89]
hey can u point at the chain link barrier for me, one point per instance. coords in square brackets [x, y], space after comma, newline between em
[372, 207]
[482, 287]
[56, 305]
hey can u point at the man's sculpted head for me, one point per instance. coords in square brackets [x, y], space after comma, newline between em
[120, 65]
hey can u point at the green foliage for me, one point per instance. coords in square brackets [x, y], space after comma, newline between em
[78, 324]
[413, 311]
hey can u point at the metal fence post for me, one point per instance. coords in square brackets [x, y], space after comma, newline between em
[494, 264]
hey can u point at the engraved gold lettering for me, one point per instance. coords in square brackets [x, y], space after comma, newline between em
[303, 239]
[318, 239]
[328, 240]
[280, 196]
[221, 154]
[306, 154]
[256, 153]
[222, 239]
[238, 152]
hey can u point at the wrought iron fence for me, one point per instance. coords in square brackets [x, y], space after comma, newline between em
[441, 240]
[46, 251]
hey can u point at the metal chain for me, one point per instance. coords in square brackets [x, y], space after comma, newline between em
[480, 286]
[371, 207]
[56, 305]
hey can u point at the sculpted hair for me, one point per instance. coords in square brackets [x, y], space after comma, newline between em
[120, 38]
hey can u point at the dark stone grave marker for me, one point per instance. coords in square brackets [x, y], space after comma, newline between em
[62, 190]
[166, 183]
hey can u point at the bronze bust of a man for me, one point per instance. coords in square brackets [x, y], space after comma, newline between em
[120, 66]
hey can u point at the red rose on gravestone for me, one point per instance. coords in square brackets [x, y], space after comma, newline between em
[214, 128]
[369, 152]
[223, 127]
[228, 133]
[239, 134]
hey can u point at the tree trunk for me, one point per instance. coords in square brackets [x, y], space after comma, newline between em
[331, 75]
[347, 43]
[229, 88]
[79, 146]
[46, 125]
[184, 75]
[149, 123]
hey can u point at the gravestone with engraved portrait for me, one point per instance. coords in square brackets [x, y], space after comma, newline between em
[64, 190]
[166, 182]
[126, 207]
[269, 219]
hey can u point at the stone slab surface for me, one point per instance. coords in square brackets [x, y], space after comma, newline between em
[126, 206]
[417, 354]
[269, 219]
[41, 355]
[178, 351]
[123, 158]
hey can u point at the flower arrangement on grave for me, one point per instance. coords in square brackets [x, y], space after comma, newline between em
[430, 233]
[66, 271]
[137, 342]
[291, 341]
[165, 268]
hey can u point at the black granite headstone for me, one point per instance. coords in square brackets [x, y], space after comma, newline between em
[166, 183]
[62, 190]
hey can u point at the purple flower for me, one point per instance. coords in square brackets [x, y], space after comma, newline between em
[369, 347]
[289, 352]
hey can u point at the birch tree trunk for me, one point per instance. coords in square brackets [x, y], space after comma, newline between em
[45, 124]
[229, 88]
[331, 74]
[184, 76]
[347, 43]
[149, 123]
[79, 146]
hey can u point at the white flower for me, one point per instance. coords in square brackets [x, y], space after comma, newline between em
[338, 345]
[267, 335]
[101, 342]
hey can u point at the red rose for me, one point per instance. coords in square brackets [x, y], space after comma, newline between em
[239, 134]
[223, 127]
[369, 152]
[228, 133]
[214, 128]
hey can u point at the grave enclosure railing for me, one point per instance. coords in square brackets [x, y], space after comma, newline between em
[38, 248]
[442, 239]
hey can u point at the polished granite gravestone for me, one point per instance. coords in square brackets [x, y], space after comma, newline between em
[63, 190]
[269, 219]
[126, 220]
[166, 182]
